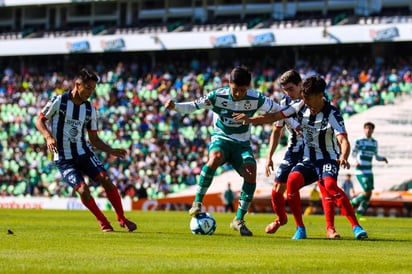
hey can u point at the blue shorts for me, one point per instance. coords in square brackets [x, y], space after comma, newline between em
[73, 170]
[290, 160]
[318, 170]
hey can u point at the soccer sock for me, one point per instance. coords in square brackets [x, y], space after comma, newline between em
[278, 205]
[206, 177]
[92, 206]
[116, 201]
[245, 199]
[341, 199]
[358, 199]
[363, 206]
[294, 183]
[328, 207]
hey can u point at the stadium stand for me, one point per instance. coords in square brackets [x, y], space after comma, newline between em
[134, 85]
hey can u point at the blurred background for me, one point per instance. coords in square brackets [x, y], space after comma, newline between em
[146, 52]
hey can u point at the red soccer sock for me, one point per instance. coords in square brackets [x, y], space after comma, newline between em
[294, 183]
[116, 201]
[328, 205]
[92, 206]
[278, 205]
[329, 210]
[341, 199]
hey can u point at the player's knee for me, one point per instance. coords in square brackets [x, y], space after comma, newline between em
[280, 187]
[249, 173]
[331, 186]
[216, 159]
[295, 182]
[106, 183]
[83, 190]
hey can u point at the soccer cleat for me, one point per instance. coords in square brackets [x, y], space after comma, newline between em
[195, 209]
[360, 234]
[273, 226]
[129, 225]
[300, 233]
[105, 226]
[332, 234]
[239, 225]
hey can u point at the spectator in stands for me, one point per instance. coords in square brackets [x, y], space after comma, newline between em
[228, 198]
[70, 115]
[347, 186]
[23, 95]
[364, 150]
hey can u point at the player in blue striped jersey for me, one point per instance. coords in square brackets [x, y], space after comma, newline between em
[364, 150]
[291, 83]
[71, 115]
[326, 149]
[230, 142]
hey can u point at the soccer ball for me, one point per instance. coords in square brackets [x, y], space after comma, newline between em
[203, 224]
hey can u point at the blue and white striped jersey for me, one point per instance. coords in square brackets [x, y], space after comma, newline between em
[69, 123]
[295, 140]
[223, 106]
[320, 131]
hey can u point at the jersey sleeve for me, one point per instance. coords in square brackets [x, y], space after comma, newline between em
[51, 108]
[204, 102]
[268, 105]
[280, 123]
[292, 108]
[291, 122]
[92, 123]
[378, 157]
[337, 122]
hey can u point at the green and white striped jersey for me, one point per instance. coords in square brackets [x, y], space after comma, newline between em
[223, 106]
[363, 151]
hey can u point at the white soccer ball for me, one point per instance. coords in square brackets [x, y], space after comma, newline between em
[203, 224]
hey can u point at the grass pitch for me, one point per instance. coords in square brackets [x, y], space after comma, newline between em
[53, 241]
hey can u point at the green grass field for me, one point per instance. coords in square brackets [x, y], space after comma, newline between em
[71, 242]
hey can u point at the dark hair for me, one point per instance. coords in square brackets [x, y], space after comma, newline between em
[369, 124]
[240, 76]
[85, 76]
[290, 76]
[313, 85]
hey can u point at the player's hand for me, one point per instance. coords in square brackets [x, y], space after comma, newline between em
[268, 167]
[170, 104]
[51, 143]
[241, 117]
[343, 163]
[299, 130]
[118, 152]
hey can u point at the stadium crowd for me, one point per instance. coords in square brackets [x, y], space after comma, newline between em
[166, 149]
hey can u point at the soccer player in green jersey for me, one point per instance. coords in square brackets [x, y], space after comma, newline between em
[364, 150]
[230, 142]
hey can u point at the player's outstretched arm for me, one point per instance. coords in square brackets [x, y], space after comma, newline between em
[273, 144]
[381, 158]
[189, 107]
[266, 118]
[100, 145]
[170, 105]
